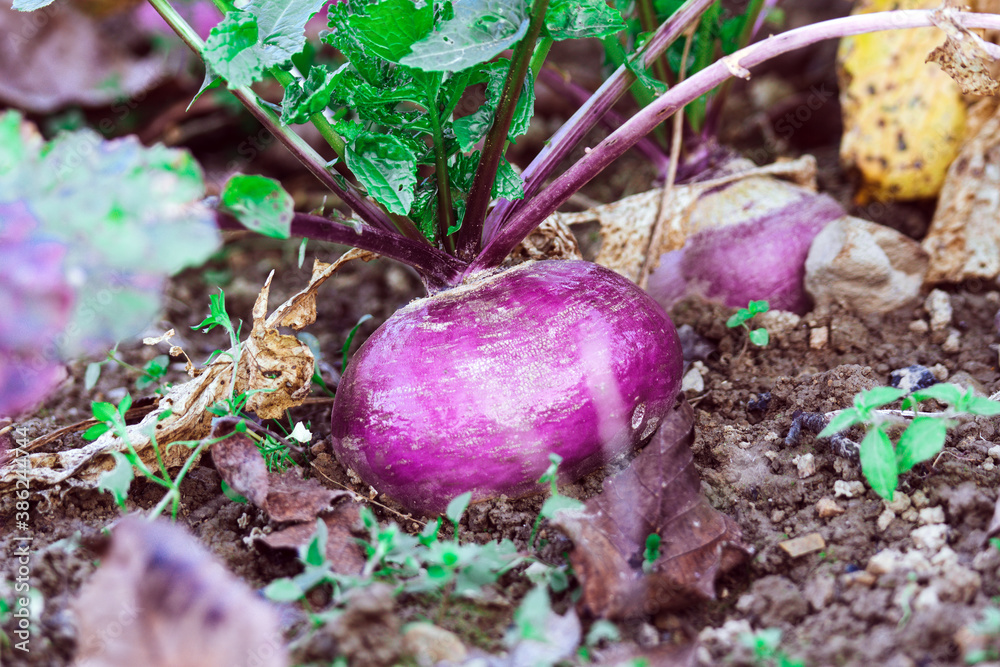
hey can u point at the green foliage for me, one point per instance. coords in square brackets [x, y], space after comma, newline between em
[555, 502]
[263, 34]
[260, 204]
[576, 19]
[925, 434]
[758, 337]
[150, 375]
[345, 350]
[988, 627]
[766, 646]
[651, 552]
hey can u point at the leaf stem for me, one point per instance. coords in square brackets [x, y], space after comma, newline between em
[305, 153]
[540, 207]
[469, 238]
[444, 205]
[587, 116]
[437, 268]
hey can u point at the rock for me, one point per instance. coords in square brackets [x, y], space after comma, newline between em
[776, 601]
[429, 645]
[926, 599]
[953, 343]
[884, 562]
[848, 489]
[930, 515]
[910, 516]
[994, 452]
[919, 499]
[819, 338]
[806, 465]
[884, 519]
[864, 266]
[938, 307]
[367, 632]
[957, 584]
[912, 378]
[694, 379]
[900, 502]
[828, 507]
[919, 326]
[800, 546]
[778, 322]
[930, 538]
[819, 590]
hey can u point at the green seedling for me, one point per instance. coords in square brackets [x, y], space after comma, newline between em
[218, 317]
[350, 339]
[651, 552]
[759, 336]
[118, 480]
[150, 375]
[766, 647]
[987, 627]
[555, 502]
[881, 462]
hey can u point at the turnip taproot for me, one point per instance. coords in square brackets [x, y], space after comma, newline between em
[471, 389]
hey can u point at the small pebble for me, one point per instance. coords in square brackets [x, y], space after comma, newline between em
[938, 306]
[430, 645]
[806, 465]
[941, 372]
[828, 507]
[988, 465]
[919, 499]
[900, 502]
[930, 538]
[647, 636]
[910, 516]
[919, 326]
[848, 489]
[819, 338]
[693, 380]
[800, 546]
[953, 343]
[912, 378]
[884, 519]
[926, 599]
[883, 562]
[859, 578]
[777, 516]
[994, 452]
[932, 515]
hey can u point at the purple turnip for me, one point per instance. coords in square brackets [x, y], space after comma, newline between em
[471, 389]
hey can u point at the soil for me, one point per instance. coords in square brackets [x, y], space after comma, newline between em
[913, 605]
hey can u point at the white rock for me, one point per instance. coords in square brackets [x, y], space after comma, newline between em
[819, 338]
[988, 465]
[884, 519]
[778, 322]
[953, 343]
[864, 266]
[926, 599]
[848, 489]
[938, 307]
[930, 538]
[919, 499]
[693, 381]
[919, 326]
[900, 502]
[910, 516]
[915, 561]
[806, 465]
[930, 515]
[994, 452]
[884, 562]
[828, 507]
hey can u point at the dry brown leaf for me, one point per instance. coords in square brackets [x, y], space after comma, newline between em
[660, 492]
[964, 239]
[292, 498]
[160, 599]
[240, 464]
[626, 225]
[965, 56]
[344, 527]
[188, 402]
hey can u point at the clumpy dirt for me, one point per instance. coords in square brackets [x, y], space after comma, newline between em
[901, 584]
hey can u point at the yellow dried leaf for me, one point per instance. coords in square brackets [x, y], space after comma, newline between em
[904, 119]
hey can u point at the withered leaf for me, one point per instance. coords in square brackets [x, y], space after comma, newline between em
[658, 493]
[171, 603]
[291, 498]
[240, 463]
[343, 525]
[965, 56]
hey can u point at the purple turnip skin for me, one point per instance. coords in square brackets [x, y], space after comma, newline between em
[472, 388]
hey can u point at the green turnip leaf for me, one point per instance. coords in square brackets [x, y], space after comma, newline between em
[576, 19]
[260, 204]
[387, 167]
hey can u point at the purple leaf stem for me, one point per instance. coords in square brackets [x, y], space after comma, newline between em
[540, 207]
[437, 268]
[611, 119]
[587, 116]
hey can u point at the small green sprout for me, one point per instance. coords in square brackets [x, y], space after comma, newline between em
[987, 628]
[881, 462]
[555, 502]
[651, 553]
[759, 336]
[218, 317]
[350, 339]
[118, 480]
[766, 647]
[150, 375]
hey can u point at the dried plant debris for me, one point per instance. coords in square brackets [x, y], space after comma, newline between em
[344, 529]
[269, 360]
[171, 603]
[659, 494]
[965, 56]
[964, 240]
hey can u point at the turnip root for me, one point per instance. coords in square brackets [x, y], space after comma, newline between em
[471, 389]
